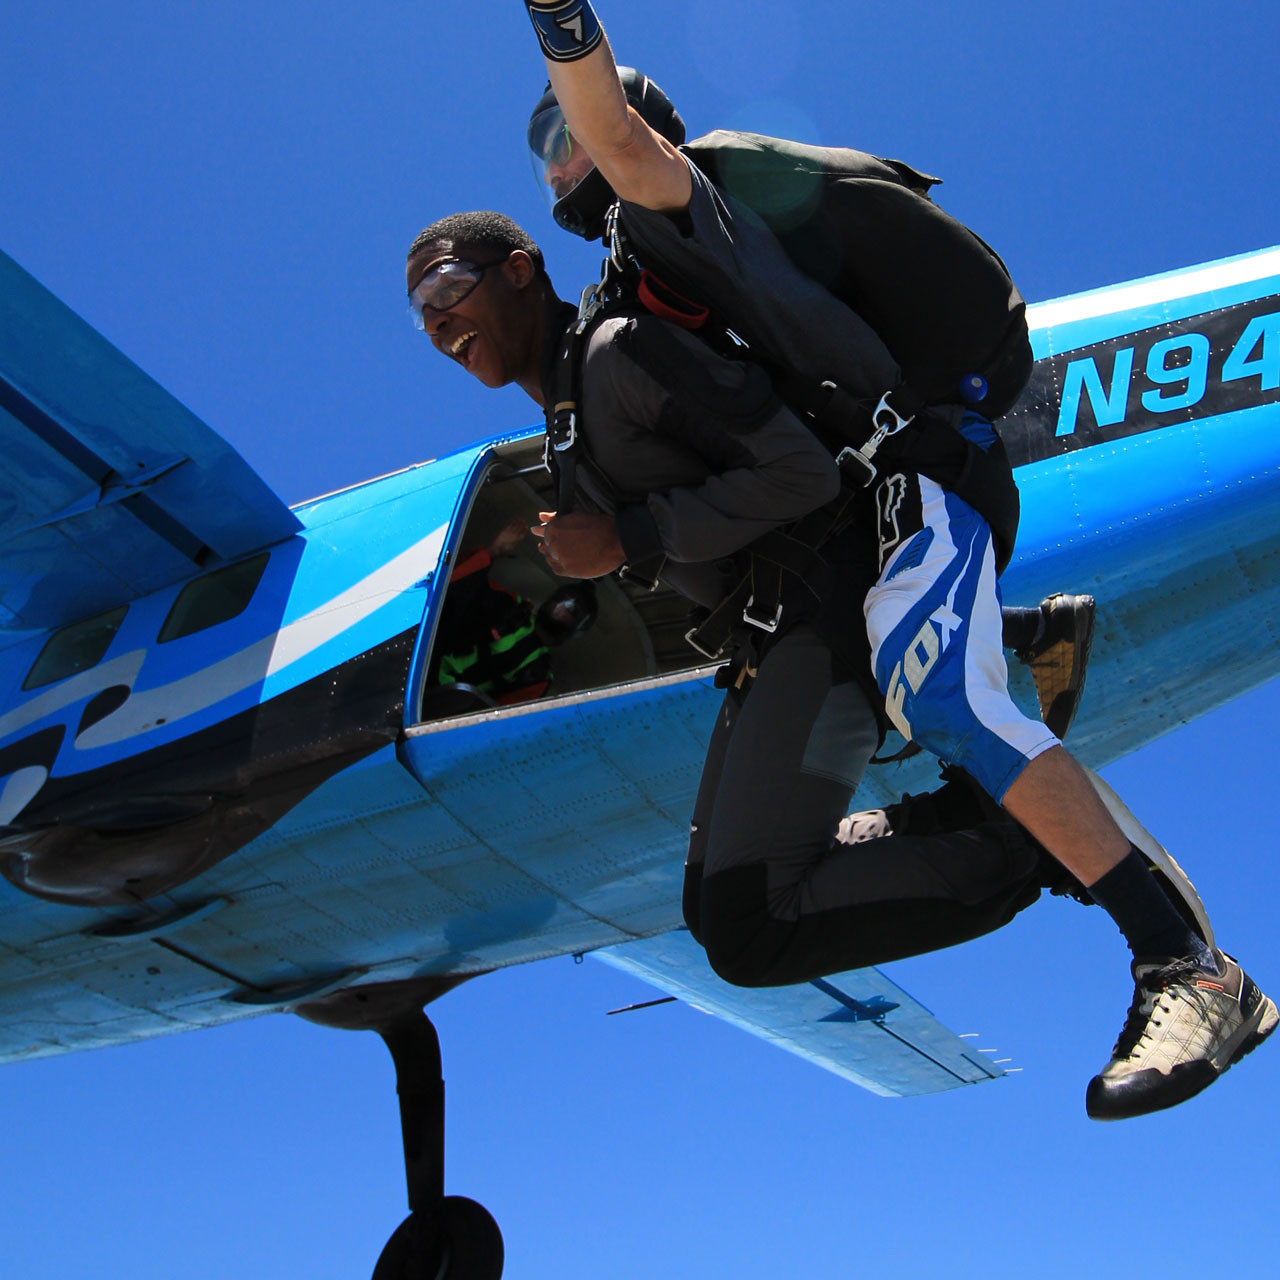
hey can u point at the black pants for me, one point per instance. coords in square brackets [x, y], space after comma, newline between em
[770, 893]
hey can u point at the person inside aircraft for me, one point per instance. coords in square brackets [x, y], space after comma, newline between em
[932, 609]
[491, 642]
[693, 461]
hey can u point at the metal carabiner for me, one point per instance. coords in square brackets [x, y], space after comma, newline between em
[888, 422]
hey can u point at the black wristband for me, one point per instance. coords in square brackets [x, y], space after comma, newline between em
[567, 29]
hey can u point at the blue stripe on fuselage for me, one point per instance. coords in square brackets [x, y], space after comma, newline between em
[1141, 477]
[350, 582]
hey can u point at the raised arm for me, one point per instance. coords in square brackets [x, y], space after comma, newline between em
[640, 165]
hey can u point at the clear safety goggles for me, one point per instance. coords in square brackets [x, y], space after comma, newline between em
[445, 285]
[559, 162]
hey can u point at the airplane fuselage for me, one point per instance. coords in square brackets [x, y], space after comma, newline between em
[270, 749]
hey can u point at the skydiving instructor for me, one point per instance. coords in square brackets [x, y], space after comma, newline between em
[1195, 1011]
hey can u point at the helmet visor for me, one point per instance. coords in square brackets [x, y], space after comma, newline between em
[559, 160]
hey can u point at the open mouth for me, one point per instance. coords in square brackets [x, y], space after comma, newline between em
[459, 347]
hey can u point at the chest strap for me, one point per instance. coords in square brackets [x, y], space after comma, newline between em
[565, 449]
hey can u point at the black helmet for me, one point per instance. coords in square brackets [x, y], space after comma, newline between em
[582, 209]
[567, 613]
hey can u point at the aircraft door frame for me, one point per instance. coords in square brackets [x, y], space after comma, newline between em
[521, 454]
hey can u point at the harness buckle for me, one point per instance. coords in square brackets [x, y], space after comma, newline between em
[564, 426]
[647, 582]
[588, 305]
[845, 460]
[888, 422]
[702, 649]
[764, 624]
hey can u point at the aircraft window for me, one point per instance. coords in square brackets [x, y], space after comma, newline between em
[217, 597]
[75, 648]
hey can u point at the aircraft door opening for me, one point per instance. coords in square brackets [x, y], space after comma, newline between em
[504, 631]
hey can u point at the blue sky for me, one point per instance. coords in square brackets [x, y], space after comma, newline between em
[227, 191]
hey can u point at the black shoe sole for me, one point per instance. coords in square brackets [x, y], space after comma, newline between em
[1181, 1083]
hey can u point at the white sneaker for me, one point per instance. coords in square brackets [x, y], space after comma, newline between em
[1186, 1026]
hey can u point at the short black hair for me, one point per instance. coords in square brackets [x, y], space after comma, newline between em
[481, 229]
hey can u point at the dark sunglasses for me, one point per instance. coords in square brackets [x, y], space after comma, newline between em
[445, 284]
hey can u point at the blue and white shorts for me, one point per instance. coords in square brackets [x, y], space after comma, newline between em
[933, 619]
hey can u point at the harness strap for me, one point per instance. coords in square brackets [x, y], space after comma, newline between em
[645, 573]
[711, 636]
[663, 301]
[754, 606]
[564, 449]
[902, 433]
[905, 752]
[560, 454]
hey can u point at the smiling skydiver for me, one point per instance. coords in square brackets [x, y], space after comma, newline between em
[933, 614]
[694, 465]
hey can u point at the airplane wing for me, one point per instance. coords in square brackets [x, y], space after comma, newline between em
[110, 488]
[859, 1025]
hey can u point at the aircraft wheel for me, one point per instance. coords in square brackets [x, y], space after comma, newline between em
[458, 1241]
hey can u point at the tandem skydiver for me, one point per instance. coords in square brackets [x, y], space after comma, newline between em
[1052, 640]
[695, 470]
[694, 464]
[932, 614]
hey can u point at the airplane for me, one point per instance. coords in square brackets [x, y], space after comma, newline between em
[231, 782]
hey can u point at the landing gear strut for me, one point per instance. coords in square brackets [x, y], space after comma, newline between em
[444, 1237]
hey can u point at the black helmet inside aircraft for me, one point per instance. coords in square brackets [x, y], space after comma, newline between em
[567, 613]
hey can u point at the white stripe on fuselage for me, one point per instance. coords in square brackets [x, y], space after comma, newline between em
[121, 670]
[1143, 293]
[19, 789]
[149, 709]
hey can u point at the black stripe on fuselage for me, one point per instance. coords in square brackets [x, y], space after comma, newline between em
[1199, 367]
[144, 825]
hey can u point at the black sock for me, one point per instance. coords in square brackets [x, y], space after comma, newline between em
[1021, 627]
[1151, 925]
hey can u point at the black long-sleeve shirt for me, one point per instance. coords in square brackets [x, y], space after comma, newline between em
[700, 456]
